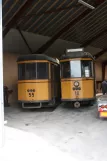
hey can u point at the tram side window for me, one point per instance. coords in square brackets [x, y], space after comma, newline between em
[42, 70]
[65, 69]
[21, 71]
[86, 68]
[30, 71]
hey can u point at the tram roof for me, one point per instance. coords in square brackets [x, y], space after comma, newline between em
[36, 57]
[72, 55]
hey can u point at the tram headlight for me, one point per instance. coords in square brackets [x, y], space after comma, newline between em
[76, 84]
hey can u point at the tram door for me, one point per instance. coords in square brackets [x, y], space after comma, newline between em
[52, 80]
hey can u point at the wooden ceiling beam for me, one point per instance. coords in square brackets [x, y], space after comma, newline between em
[13, 21]
[98, 2]
[88, 42]
[100, 53]
[50, 11]
[25, 41]
[44, 47]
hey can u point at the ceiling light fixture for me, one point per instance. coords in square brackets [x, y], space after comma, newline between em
[86, 4]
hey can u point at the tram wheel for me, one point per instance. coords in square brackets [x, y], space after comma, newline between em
[77, 104]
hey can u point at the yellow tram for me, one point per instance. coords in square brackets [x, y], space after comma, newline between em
[38, 81]
[77, 77]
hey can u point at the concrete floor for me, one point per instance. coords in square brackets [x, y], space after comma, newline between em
[78, 132]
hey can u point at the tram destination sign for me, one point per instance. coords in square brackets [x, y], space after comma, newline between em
[74, 50]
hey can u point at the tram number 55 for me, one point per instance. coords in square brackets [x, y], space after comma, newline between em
[31, 94]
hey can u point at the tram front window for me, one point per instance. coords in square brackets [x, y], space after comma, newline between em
[65, 69]
[71, 69]
[42, 70]
[75, 69]
[31, 71]
[87, 69]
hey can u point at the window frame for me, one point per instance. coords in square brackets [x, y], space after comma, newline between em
[47, 70]
[92, 69]
[32, 63]
[61, 69]
[36, 75]
[20, 71]
[79, 69]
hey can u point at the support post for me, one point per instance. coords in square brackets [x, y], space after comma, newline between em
[1, 83]
[103, 69]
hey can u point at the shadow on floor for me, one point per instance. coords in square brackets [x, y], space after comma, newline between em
[82, 108]
[18, 108]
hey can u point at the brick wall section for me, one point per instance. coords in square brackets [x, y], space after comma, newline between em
[98, 71]
[106, 72]
[10, 74]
